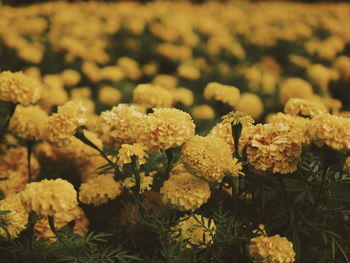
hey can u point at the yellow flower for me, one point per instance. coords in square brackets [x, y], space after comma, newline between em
[127, 151]
[130, 67]
[183, 96]
[209, 158]
[109, 95]
[237, 117]
[263, 249]
[19, 88]
[16, 220]
[273, 147]
[61, 126]
[78, 93]
[198, 234]
[332, 130]
[99, 190]
[165, 81]
[120, 125]
[250, 104]
[299, 125]
[203, 112]
[145, 182]
[185, 191]
[49, 197]
[224, 93]
[166, 128]
[188, 71]
[342, 64]
[14, 166]
[152, 96]
[70, 77]
[294, 88]
[304, 107]
[29, 122]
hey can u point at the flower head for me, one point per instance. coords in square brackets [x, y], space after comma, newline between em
[237, 117]
[185, 191]
[29, 122]
[251, 104]
[209, 158]
[224, 93]
[166, 128]
[264, 249]
[295, 88]
[109, 95]
[99, 190]
[203, 112]
[49, 197]
[152, 96]
[127, 151]
[145, 182]
[304, 107]
[19, 88]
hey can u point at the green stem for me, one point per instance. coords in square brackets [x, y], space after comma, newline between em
[11, 111]
[32, 219]
[170, 158]
[51, 220]
[80, 135]
[136, 166]
[29, 154]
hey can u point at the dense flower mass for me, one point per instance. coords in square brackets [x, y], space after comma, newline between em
[99, 190]
[264, 249]
[199, 231]
[19, 88]
[185, 191]
[46, 197]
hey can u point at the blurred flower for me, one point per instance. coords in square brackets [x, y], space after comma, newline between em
[152, 96]
[250, 104]
[109, 96]
[223, 93]
[203, 112]
[294, 88]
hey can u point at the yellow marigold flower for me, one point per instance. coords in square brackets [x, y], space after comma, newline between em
[322, 75]
[188, 72]
[294, 88]
[183, 96]
[299, 125]
[273, 147]
[120, 125]
[130, 67]
[152, 96]
[19, 88]
[145, 182]
[165, 81]
[127, 151]
[304, 107]
[332, 130]
[99, 190]
[70, 77]
[33, 72]
[53, 96]
[166, 128]
[14, 166]
[49, 197]
[250, 104]
[29, 122]
[109, 96]
[203, 112]
[263, 249]
[224, 93]
[342, 64]
[61, 126]
[237, 117]
[185, 191]
[209, 158]
[199, 234]
[78, 93]
[112, 73]
[16, 220]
